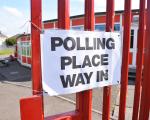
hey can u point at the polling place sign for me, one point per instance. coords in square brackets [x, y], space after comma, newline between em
[74, 61]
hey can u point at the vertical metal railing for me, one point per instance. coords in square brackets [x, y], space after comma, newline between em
[139, 59]
[145, 96]
[110, 14]
[63, 14]
[125, 59]
[84, 99]
[36, 19]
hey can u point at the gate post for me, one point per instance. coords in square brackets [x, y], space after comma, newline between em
[125, 59]
[84, 99]
[139, 60]
[107, 90]
[31, 108]
[145, 97]
[36, 51]
[63, 14]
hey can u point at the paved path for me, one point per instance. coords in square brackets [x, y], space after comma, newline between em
[9, 102]
[15, 72]
[15, 83]
[129, 104]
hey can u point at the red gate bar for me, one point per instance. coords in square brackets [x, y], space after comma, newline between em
[36, 24]
[63, 14]
[139, 60]
[107, 90]
[125, 59]
[32, 107]
[64, 23]
[84, 99]
[145, 97]
[36, 51]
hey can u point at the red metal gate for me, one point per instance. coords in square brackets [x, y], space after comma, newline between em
[32, 108]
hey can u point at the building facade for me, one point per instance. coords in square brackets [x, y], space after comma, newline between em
[77, 23]
[2, 40]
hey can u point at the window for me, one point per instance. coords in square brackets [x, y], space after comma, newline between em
[132, 38]
[117, 27]
[19, 48]
[26, 48]
[28, 51]
[23, 51]
[77, 28]
[102, 27]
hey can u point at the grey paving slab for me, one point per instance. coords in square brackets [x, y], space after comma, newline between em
[9, 101]
[129, 103]
[128, 115]
[54, 106]
[98, 97]
[19, 76]
[11, 94]
[130, 97]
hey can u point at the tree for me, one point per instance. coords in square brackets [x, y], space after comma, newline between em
[11, 41]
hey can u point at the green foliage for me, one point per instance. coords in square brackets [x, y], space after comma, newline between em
[10, 41]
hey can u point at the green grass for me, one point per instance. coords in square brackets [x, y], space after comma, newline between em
[6, 52]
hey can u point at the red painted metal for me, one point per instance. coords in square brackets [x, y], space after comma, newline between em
[31, 108]
[64, 23]
[84, 105]
[16, 51]
[63, 14]
[139, 66]
[84, 99]
[145, 97]
[89, 18]
[79, 21]
[110, 14]
[73, 115]
[36, 52]
[125, 59]
[48, 25]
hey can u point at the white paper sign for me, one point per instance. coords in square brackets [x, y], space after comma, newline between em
[74, 61]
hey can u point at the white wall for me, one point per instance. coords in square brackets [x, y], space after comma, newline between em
[2, 42]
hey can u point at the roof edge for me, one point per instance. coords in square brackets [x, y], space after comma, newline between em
[97, 13]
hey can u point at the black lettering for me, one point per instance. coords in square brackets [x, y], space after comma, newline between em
[88, 77]
[104, 59]
[55, 42]
[94, 43]
[101, 43]
[78, 45]
[94, 60]
[88, 47]
[65, 61]
[74, 65]
[86, 62]
[68, 82]
[101, 75]
[80, 79]
[73, 43]
[110, 43]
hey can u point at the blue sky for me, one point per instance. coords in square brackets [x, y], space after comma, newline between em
[14, 14]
